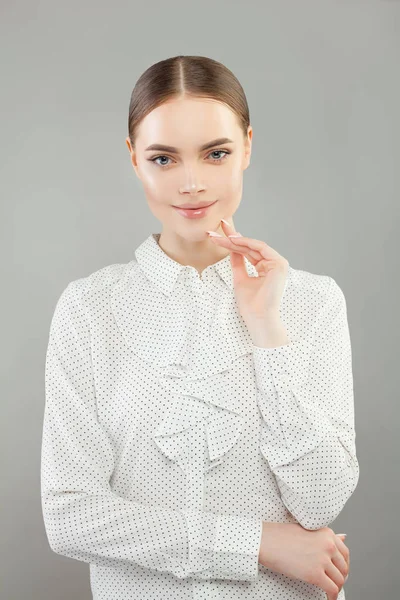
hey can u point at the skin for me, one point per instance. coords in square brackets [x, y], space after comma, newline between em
[191, 176]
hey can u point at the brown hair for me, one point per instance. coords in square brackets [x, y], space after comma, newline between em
[196, 76]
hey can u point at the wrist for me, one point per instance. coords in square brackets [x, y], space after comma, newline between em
[268, 331]
[263, 556]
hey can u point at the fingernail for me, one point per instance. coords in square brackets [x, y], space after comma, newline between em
[344, 534]
[226, 222]
[215, 234]
[346, 578]
[235, 235]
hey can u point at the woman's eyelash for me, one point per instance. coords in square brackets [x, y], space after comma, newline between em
[215, 160]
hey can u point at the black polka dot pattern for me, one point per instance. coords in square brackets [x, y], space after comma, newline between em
[168, 436]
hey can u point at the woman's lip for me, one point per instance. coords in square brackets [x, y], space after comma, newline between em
[194, 208]
[193, 213]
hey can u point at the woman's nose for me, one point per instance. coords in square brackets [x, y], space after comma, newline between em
[191, 186]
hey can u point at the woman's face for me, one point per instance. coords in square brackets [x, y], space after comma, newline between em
[189, 174]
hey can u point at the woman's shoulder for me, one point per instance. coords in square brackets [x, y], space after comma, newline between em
[97, 285]
[311, 299]
[310, 283]
[101, 278]
[311, 292]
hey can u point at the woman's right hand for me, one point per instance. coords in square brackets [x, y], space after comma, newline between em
[317, 556]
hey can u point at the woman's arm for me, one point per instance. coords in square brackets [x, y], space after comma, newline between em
[305, 396]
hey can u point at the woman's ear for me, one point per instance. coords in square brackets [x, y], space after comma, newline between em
[247, 147]
[133, 156]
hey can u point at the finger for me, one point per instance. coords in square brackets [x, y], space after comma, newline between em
[227, 243]
[341, 563]
[336, 576]
[257, 245]
[344, 550]
[229, 229]
[237, 260]
[329, 586]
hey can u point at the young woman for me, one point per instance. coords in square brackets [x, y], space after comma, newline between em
[198, 434]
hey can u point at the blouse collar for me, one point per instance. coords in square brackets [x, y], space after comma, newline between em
[163, 271]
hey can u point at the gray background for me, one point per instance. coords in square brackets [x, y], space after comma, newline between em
[322, 82]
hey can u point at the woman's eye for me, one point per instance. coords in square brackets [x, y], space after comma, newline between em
[215, 160]
[156, 158]
[219, 152]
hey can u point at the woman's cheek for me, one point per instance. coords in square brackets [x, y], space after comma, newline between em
[152, 182]
[236, 179]
[232, 187]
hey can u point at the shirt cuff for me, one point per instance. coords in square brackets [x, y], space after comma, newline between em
[237, 547]
[227, 549]
[283, 366]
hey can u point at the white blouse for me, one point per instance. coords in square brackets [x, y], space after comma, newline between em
[168, 436]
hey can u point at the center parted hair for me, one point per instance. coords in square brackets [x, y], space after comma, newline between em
[178, 76]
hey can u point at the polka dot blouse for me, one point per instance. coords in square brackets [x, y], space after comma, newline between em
[168, 436]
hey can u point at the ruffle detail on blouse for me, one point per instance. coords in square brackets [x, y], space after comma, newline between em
[198, 404]
[203, 407]
[201, 402]
[158, 329]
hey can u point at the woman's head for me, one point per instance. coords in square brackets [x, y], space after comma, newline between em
[186, 102]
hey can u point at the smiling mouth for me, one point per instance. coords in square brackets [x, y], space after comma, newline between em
[194, 207]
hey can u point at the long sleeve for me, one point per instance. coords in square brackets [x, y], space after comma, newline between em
[84, 519]
[305, 396]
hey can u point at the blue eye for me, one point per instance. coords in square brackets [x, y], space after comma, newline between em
[214, 160]
[219, 151]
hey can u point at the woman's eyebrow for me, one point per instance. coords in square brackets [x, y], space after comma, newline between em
[163, 148]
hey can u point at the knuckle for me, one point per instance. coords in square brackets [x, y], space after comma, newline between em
[331, 547]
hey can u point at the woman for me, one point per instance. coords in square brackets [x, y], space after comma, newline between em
[198, 434]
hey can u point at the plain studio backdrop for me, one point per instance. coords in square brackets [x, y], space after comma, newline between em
[322, 83]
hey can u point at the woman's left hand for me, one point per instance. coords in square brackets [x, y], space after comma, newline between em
[259, 297]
